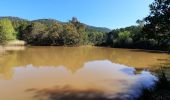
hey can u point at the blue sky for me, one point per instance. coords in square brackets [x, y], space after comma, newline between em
[103, 13]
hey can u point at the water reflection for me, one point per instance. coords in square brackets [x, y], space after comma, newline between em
[94, 80]
[73, 58]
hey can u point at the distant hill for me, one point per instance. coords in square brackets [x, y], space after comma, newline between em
[53, 21]
[47, 22]
[50, 22]
[101, 29]
[14, 18]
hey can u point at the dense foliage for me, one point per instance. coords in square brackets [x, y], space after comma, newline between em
[157, 27]
[53, 32]
[129, 37]
[151, 33]
[7, 31]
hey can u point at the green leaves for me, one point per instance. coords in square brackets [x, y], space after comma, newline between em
[124, 35]
[7, 31]
[157, 25]
[71, 36]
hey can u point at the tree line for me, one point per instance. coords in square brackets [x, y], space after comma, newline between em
[51, 32]
[152, 32]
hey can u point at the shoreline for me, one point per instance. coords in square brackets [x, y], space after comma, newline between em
[20, 43]
[13, 45]
[2, 50]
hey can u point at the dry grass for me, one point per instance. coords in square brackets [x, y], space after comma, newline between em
[16, 43]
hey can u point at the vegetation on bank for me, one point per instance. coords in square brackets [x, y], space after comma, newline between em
[153, 32]
[7, 31]
[161, 91]
[52, 32]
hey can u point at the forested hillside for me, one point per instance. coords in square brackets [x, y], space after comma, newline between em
[53, 32]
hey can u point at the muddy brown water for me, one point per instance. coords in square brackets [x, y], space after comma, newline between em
[75, 68]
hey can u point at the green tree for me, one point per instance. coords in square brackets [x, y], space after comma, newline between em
[20, 28]
[124, 35]
[81, 29]
[70, 35]
[55, 33]
[35, 33]
[157, 24]
[97, 38]
[124, 39]
[7, 31]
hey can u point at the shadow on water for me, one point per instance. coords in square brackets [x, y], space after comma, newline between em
[149, 51]
[67, 93]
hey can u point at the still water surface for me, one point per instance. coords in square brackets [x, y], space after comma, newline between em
[47, 73]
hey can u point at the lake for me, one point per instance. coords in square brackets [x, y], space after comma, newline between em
[61, 73]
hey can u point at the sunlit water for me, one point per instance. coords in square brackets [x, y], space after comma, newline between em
[54, 73]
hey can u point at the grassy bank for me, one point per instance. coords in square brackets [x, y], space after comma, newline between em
[16, 43]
